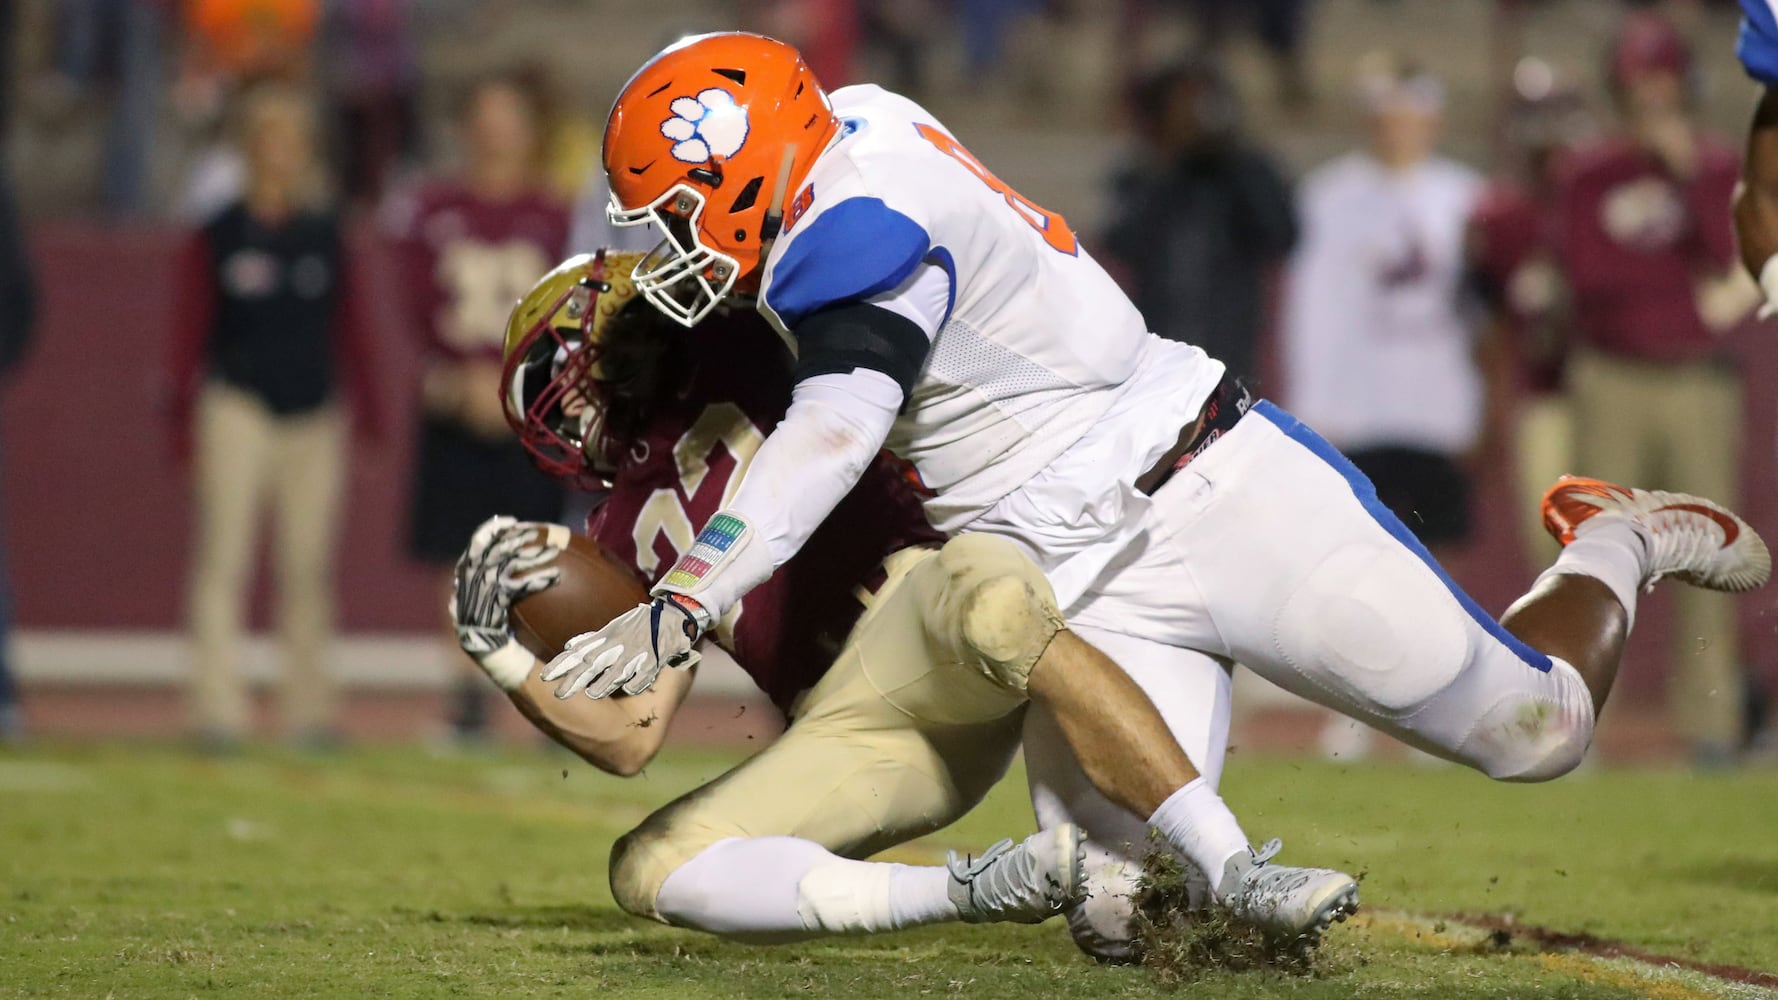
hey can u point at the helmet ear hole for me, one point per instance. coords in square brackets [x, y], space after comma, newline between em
[748, 195]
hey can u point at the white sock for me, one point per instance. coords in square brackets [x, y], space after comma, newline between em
[1197, 823]
[786, 888]
[1615, 554]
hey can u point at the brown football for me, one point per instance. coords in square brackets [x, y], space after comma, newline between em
[594, 588]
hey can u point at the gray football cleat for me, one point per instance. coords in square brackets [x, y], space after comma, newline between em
[1024, 884]
[1296, 903]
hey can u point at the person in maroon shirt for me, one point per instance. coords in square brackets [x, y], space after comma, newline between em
[267, 339]
[1646, 246]
[468, 246]
[1513, 256]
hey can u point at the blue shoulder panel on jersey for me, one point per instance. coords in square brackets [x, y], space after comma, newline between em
[1757, 45]
[854, 250]
[1366, 493]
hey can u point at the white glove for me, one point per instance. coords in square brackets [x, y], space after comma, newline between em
[628, 654]
[504, 564]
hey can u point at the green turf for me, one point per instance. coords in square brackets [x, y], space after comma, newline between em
[140, 872]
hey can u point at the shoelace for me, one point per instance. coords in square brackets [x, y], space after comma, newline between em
[1267, 851]
[967, 868]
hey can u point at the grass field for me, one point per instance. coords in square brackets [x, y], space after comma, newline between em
[144, 872]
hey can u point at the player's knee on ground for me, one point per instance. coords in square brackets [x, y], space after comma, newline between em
[642, 859]
[992, 607]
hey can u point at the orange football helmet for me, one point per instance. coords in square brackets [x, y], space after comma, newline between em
[707, 141]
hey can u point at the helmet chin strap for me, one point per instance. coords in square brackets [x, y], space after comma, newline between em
[768, 230]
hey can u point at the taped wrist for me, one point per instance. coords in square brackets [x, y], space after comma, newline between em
[728, 559]
[508, 666]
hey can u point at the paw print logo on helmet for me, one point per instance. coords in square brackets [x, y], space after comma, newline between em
[707, 143]
[706, 126]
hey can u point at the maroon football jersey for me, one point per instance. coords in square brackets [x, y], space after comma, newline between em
[688, 465]
[465, 260]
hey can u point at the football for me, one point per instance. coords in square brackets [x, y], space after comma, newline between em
[593, 589]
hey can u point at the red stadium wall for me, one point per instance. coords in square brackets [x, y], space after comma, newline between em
[96, 514]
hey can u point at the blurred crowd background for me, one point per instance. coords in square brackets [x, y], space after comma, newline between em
[257, 257]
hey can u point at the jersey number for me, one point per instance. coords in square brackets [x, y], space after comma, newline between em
[1051, 226]
[664, 513]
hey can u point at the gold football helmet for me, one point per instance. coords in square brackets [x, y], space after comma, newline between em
[553, 386]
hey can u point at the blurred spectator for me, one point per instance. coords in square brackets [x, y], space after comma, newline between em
[1647, 248]
[1513, 252]
[1202, 216]
[1279, 25]
[18, 313]
[471, 245]
[231, 45]
[267, 331]
[370, 73]
[1379, 350]
[119, 41]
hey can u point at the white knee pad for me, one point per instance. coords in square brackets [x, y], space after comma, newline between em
[1373, 625]
[1535, 735]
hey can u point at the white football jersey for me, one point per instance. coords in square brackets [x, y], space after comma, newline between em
[1036, 342]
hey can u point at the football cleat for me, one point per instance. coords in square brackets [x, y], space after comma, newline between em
[1686, 537]
[1024, 884]
[1291, 903]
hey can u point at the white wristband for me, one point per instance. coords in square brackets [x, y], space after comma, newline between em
[1768, 286]
[509, 666]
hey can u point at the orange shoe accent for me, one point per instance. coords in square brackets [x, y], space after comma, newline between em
[1564, 511]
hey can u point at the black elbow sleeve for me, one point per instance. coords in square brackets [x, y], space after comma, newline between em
[860, 335]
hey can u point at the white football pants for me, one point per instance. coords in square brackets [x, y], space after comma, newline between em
[1271, 550]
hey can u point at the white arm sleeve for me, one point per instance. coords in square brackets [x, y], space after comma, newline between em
[835, 426]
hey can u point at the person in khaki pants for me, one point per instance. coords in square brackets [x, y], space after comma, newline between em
[1646, 247]
[266, 326]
